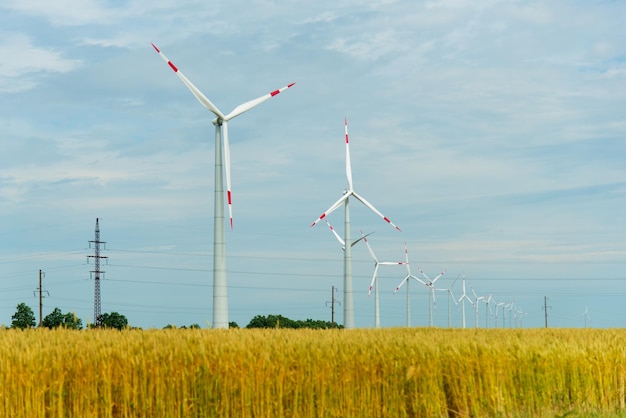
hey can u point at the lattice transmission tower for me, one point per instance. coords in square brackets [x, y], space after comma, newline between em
[96, 272]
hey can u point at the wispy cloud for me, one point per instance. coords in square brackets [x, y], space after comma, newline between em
[26, 61]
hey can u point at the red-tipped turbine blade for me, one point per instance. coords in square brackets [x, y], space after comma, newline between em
[401, 283]
[255, 102]
[194, 90]
[332, 208]
[374, 277]
[341, 241]
[373, 209]
[348, 166]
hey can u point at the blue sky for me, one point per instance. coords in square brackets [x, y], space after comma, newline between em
[491, 132]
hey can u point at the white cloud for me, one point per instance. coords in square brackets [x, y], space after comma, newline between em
[26, 61]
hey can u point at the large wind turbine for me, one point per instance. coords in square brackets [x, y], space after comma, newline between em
[348, 296]
[220, 291]
[374, 281]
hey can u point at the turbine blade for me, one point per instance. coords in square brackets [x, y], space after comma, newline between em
[406, 257]
[348, 166]
[401, 284]
[369, 248]
[420, 280]
[436, 278]
[332, 208]
[341, 241]
[194, 90]
[373, 209]
[244, 107]
[359, 239]
[373, 280]
[227, 170]
[424, 274]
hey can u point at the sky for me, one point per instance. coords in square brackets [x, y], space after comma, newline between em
[491, 133]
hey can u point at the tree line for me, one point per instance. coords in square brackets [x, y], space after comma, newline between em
[24, 317]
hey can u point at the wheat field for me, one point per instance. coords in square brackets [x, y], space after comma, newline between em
[399, 372]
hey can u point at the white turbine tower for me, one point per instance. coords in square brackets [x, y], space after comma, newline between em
[431, 300]
[406, 280]
[463, 298]
[374, 282]
[220, 283]
[487, 300]
[348, 304]
[510, 308]
[498, 304]
[477, 299]
[450, 296]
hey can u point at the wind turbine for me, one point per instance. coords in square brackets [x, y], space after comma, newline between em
[348, 305]
[487, 300]
[477, 299]
[463, 298]
[431, 300]
[510, 308]
[374, 281]
[498, 304]
[220, 291]
[586, 315]
[406, 280]
[450, 295]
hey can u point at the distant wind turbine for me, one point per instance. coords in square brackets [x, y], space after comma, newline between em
[450, 296]
[476, 300]
[220, 292]
[409, 275]
[374, 281]
[462, 300]
[348, 305]
[586, 315]
[498, 304]
[431, 300]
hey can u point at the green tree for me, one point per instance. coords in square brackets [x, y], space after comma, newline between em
[56, 319]
[23, 317]
[71, 321]
[279, 321]
[231, 324]
[113, 320]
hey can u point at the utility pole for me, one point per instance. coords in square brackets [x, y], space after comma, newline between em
[41, 296]
[332, 302]
[97, 314]
[545, 308]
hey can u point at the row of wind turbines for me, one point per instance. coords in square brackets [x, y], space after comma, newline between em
[515, 311]
[222, 166]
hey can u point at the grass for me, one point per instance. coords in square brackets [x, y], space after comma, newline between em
[309, 373]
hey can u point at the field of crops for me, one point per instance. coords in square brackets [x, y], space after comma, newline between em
[327, 373]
